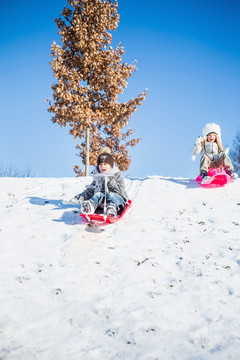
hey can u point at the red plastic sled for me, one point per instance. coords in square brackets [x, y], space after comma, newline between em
[101, 219]
[218, 177]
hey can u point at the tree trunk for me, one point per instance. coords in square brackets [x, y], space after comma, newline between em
[87, 146]
[87, 152]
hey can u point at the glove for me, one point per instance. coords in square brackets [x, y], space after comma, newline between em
[225, 151]
[79, 199]
[199, 140]
[197, 147]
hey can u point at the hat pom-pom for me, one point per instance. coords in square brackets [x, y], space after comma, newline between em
[105, 150]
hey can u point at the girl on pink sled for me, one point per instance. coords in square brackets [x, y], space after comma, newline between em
[212, 153]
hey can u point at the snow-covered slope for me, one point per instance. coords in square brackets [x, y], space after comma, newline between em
[163, 283]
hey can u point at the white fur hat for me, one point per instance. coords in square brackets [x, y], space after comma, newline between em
[211, 128]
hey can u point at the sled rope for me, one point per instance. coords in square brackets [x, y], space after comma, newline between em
[105, 197]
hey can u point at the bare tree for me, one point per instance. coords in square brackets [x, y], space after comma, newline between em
[235, 153]
[90, 77]
[13, 171]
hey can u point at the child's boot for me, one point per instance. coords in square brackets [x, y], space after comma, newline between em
[204, 176]
[111, 210]
[233, 175]
[87, 207]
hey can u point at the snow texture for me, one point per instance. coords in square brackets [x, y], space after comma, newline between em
[163, 283]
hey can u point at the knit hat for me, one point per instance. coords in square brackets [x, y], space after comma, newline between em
[105, 158]
[212, 128]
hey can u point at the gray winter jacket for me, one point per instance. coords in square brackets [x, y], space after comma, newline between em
[211, 150]
[110, 181]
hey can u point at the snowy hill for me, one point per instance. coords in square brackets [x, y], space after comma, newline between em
[163, 283]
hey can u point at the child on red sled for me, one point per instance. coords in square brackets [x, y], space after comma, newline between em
[106, 188]
[212, 153]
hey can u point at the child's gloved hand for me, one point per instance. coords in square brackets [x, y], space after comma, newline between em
[226, 151]
[80, 199]
[199, 140]
[197, 147]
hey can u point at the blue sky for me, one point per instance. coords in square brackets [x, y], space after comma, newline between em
[188, 55]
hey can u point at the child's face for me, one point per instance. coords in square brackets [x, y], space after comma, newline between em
[211, 137]
[103, 167]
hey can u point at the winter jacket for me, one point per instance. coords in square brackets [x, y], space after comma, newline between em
[110, 181]
[211, 150]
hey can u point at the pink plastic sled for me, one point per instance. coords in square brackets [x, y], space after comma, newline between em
[217, 177]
